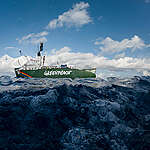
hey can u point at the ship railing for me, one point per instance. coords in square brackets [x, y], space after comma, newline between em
[57, 67]
[29, 68]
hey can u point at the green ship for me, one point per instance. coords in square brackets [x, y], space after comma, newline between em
[39, 70]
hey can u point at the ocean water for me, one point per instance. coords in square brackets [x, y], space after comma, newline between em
[80, 114]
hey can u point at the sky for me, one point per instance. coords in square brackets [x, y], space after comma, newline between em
[111, 35]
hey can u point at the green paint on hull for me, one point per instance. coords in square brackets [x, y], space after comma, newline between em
[54, 73]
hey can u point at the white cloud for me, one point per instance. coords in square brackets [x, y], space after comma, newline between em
[7, 64]
[62, 50]
[120, 55]
[44, 33]
[10, 47]
[38, 40]
[82, 60]
[108, 45]
[34, 38]
[147, 1]
[77, 16]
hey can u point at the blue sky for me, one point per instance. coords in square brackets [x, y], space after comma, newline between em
[109, 28]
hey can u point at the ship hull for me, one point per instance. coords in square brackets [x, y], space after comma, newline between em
[55, 73]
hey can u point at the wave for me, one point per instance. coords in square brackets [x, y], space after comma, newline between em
[67, 114]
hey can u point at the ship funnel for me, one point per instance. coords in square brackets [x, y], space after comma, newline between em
[41, 49]
[41, 46]
[39, 54]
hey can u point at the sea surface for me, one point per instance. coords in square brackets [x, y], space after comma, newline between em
[80, 114]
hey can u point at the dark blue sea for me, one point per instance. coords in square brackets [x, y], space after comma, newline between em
[80, 114]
